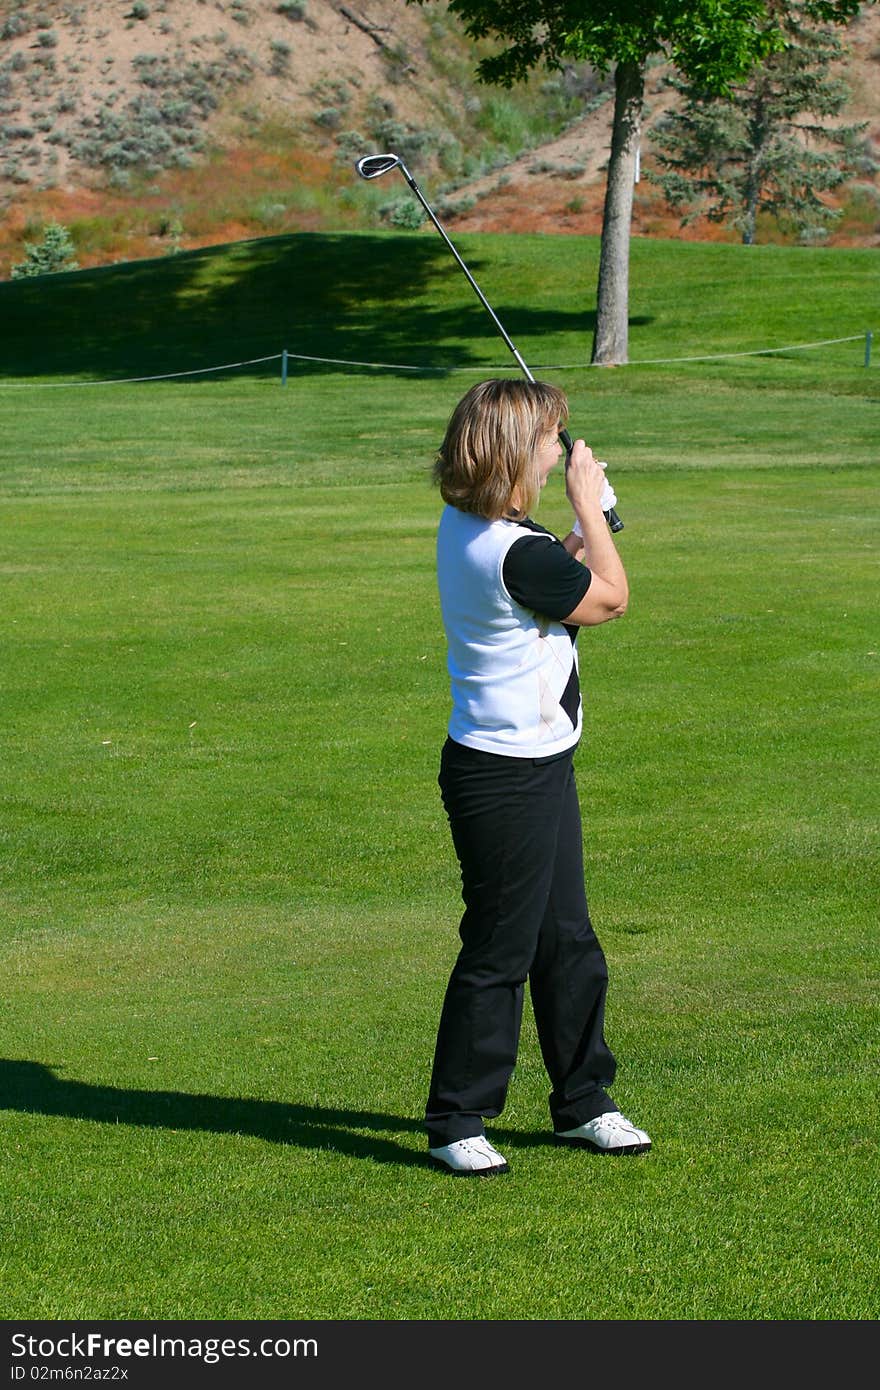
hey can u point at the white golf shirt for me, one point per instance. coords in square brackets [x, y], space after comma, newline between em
[512, 663]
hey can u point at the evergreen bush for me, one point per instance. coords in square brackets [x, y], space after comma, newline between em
[54, 253]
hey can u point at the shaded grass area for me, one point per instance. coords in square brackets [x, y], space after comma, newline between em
[229, 903]
[400, 298]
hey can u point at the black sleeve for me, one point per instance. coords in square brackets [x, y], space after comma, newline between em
[540, 574]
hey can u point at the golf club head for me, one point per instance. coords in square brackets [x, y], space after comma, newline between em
[372, 166]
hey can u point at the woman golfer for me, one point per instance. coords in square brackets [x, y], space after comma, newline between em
[513, 598]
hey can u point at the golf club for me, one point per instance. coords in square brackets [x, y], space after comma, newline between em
[372, 166]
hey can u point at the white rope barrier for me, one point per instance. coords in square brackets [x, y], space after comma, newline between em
[753, 352]
[385, 366]
[286, 357]
[162, 376]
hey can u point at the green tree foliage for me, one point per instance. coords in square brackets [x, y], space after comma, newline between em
[756, 149]
[714, 43]
[55, 252]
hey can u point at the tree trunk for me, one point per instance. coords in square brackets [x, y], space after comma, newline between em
[748, 234]
[758, 135]
[610, 341]
[752, 193]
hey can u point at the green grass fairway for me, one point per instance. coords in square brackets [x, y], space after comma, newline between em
[229, 901]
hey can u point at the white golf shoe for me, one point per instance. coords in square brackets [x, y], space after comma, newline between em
[611, 1133]
[470, 1158]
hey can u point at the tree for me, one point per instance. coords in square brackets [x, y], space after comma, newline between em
[55, 252]
[714, 43]
[731, 157]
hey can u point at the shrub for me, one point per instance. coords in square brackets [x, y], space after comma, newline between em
[158, 129]
[14, 26]
[330, 118]
[405, 140]
[812, 236]
[54, 253]
[280, 62]
[334, 93]
[47, 63]
[563, 171]
[350, 144]
[292, 9]
[397, 62]
[450, 156]
[270, 214]
[403, 212]
[144, 134]
[169, 226]
[452, 207]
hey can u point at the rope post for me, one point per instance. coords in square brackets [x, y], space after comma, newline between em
[869, 338]
[284, 367]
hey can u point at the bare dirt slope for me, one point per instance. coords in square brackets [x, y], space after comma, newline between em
[92, 92]
[68, 68]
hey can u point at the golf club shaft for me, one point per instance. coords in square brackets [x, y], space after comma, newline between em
[473, 284]
[611, 516]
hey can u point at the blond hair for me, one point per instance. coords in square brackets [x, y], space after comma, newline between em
[489, 451]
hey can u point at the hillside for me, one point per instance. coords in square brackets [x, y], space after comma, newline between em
[153, 125]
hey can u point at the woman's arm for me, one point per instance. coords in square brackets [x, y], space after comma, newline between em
[608, 594]
[574, 545]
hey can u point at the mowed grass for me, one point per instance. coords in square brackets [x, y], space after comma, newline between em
[229, 902]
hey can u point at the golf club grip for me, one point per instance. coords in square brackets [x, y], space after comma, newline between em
[614, 521]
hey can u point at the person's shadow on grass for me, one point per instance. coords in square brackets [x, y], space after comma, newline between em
[32, 1088]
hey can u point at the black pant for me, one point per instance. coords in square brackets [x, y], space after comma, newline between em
[516, 828]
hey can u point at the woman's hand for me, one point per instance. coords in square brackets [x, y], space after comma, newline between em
[584, 478]
[608, 594]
